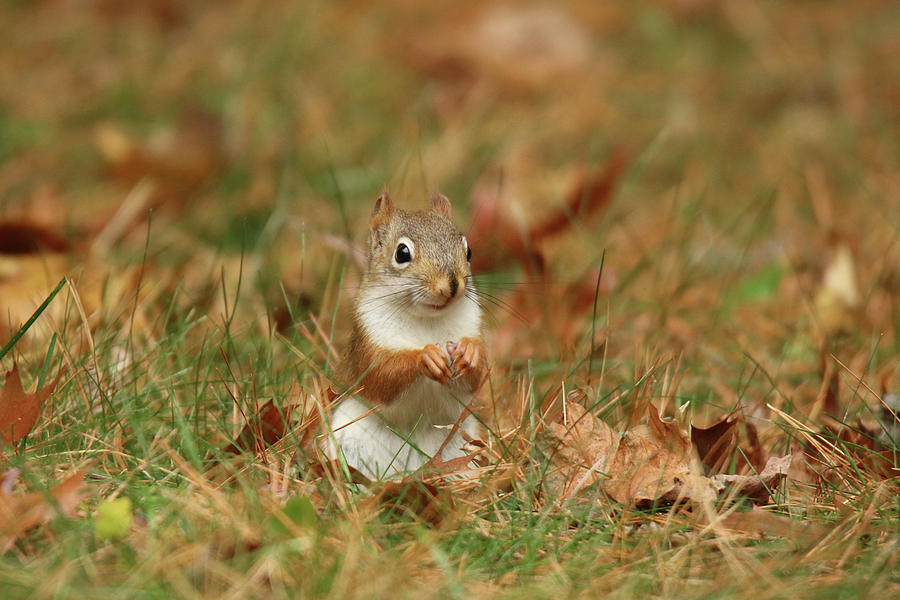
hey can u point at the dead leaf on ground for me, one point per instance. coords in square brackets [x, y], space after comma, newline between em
[500, 240]
[413, 497]
[654, 462]
[838, 299]
[757, 487]
[513, 48]
[22, 237]
[263, 429]
[585, 447]
[179, 160]
[858, 445]
[163, 13]
[18, 514]
[715, 444]
[647, 463]
[19, 410]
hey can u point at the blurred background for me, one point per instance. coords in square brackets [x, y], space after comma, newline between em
[737, 163]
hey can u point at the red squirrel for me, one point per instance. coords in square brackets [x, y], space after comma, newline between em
[415, 348]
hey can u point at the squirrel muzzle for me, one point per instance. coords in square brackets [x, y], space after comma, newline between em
[447, 286]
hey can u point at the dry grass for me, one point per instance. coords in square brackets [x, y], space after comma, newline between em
[209, 168]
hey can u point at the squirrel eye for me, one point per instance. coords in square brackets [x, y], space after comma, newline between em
[468, 253]
[403, 254]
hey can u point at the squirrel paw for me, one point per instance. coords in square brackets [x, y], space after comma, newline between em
[464, 356]
[434, 364]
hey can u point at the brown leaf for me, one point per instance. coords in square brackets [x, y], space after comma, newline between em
[22, 237]
[653, 462]
[163, 13]
[757, 487]
[178, 160]
[715, 445]
[19, 410]
[263, 429]
[499, 240]
[18, 514]
[25, 281]
[414, 497]
[585, 446]
[588, 196]
[862, 445]
[649, 462]
[753, 455]
[514, 49]
[333, 469]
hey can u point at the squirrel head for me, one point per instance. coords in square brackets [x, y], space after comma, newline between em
[421, 252]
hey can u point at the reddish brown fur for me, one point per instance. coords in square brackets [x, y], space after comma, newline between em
[469, 362]
[384, 374]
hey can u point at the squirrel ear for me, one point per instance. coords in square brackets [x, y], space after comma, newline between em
[384, 209]
[440, 204]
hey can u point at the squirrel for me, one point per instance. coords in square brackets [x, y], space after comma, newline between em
[415, 349]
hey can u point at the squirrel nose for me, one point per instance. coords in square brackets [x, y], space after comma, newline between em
[449, 286]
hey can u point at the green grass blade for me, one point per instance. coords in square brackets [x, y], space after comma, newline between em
[34, 317]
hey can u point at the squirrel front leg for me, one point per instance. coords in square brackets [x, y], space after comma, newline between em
[391, 372]
[468, 362]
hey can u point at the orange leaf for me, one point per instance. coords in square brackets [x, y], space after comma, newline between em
[19, 410]
[18, 514]
[264, 429]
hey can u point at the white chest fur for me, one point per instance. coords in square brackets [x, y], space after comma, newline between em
[394, 328]
[378, 448]
[405, 434]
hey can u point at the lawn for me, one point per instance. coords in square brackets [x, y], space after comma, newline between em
[685, 215]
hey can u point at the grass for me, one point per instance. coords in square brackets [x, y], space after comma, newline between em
[762, 136]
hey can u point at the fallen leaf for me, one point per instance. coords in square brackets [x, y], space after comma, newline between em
[413, 497]
[757, 487]
[26, 280]
[715, 445]
[163, 13]
[654, 462]
[584, 447]
[500, 240]
[838, 298]
[513, 48]
[18, 514]
[333, 470]
[19, 410]
[861, 445]
[21, 237]
[589, 195]
[179, 160]
[265, 428]
[649, 462]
